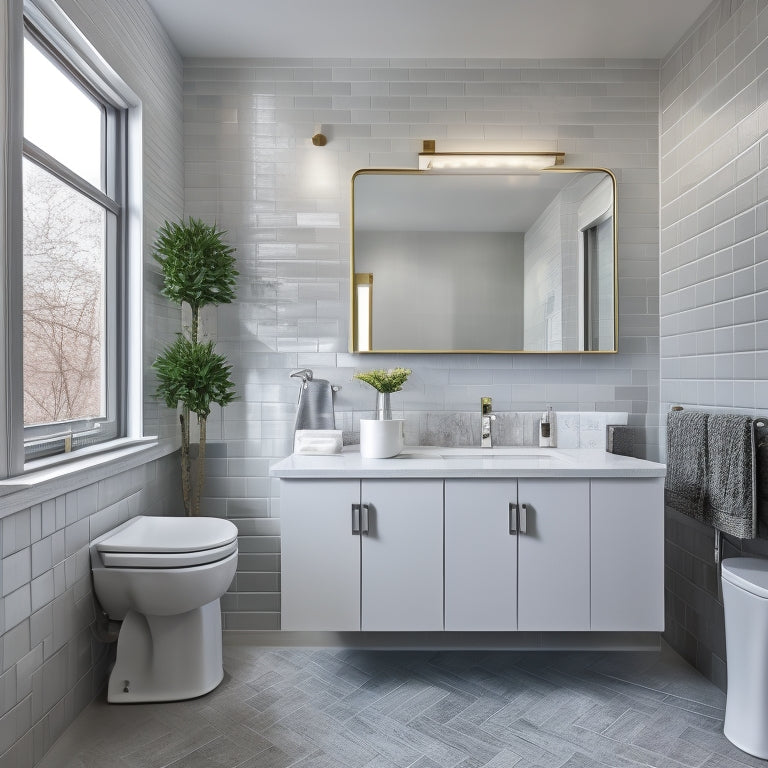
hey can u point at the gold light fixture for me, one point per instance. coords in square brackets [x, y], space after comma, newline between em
[486, 162]
[319, 139]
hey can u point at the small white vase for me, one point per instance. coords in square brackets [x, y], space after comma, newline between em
[383, 405]
[381, 438]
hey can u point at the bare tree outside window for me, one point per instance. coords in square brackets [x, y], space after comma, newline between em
[64, 256]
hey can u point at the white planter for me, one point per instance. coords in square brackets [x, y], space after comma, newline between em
[381, 438]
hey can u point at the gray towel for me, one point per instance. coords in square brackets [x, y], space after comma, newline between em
[730, 499]
[761, 476]
[315, 410]
[686, 481]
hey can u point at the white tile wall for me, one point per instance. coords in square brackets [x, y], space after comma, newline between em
[714, 262]
[714, 214]
[250, 165]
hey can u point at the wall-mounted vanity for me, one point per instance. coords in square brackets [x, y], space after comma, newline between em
[462, 539]
[484, 262]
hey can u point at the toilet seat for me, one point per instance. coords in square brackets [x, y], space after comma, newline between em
[167, 542]
[166, 559]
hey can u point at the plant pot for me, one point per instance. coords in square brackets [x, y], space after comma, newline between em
[381, 438]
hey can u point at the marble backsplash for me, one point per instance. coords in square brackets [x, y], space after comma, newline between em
[511, 428]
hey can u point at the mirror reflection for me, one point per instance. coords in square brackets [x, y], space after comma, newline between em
[484, 263]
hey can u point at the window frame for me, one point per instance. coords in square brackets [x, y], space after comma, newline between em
[68, 435]
[48, 23]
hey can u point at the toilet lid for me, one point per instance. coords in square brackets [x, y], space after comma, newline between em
[168, 542]
[750, 573]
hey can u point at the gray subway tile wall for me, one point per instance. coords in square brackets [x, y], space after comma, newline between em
[52, 662]
[714, 268]
[250, 166]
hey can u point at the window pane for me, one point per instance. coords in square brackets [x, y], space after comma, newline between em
[61, 118]
[64, 275]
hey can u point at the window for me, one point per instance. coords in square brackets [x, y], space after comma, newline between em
[72, 253]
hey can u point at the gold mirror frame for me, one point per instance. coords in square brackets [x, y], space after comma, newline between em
[367, 278]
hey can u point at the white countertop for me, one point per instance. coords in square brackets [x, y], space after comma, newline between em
[432, 461]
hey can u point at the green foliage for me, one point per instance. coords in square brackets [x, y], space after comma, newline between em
[385, 381]
[191, 373]
[198, 266]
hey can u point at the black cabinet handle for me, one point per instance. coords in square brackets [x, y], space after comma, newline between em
[512, 518]
[523, 518]
[364, 527]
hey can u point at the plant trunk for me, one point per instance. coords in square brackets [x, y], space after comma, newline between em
[186, 465]
[200, 478]
[195, 323]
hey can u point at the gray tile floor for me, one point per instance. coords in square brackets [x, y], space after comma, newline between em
[317, 708]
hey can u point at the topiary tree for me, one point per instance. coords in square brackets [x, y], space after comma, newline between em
[199, 270]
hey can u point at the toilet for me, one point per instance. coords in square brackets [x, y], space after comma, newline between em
[163, 578]
[745, 597]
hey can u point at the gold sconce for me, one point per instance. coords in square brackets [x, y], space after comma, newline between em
[487, 162]
[319, 139]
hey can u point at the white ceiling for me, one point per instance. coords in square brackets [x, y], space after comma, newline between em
[457, 203]
[421, 29]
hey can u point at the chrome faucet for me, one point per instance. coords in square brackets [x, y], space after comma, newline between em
[486, 417]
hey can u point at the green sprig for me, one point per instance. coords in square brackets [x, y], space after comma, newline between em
[391, 380]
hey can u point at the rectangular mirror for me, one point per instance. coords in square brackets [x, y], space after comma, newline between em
[473, 262]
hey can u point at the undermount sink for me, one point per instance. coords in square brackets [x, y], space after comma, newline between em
[503, 454]
[468, 453]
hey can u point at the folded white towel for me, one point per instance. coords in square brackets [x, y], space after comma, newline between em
[317, 441]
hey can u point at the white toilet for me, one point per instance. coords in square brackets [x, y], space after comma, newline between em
[163, 577]
[745, 597]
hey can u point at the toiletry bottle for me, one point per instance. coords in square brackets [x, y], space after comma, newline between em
[545, 429]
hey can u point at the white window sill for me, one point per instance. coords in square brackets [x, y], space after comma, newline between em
[45, 479]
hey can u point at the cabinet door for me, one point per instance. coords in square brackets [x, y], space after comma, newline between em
[320, 556]
[628, 554]
[553, 555]
[480, 555]
[402, 555]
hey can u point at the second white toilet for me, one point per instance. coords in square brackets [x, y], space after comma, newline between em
[745, 597]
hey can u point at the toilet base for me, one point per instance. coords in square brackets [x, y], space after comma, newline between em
[167, 658]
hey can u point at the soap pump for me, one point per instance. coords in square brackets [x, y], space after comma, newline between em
[547, 429]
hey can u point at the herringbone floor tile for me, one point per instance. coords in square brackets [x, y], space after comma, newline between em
[352, 708]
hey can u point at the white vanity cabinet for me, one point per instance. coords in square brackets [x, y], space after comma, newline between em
[561, 541]
[627, 554]
[517, 554]
[362, 555]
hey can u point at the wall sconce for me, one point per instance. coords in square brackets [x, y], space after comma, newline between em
[319, 139]
[487, 162]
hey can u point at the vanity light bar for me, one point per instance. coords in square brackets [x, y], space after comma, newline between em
[489, 161]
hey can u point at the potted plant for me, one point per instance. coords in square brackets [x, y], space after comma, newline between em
[385, 382]
[199, 270]
[383, 436]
